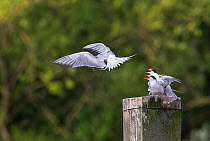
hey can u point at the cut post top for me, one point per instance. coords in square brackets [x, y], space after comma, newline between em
[152, 102]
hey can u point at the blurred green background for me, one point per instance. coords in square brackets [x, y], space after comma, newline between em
[40, 101]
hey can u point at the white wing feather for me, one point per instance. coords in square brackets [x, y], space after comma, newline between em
[80, 59]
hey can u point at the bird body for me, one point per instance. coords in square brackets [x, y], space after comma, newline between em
[106, 59]
[155, 87]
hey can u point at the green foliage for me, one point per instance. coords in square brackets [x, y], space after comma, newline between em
[50, 102]
[9, 9]
[202, 134]
[30, 135]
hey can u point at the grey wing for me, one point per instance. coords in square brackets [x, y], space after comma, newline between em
[80, 59]
[97, 47]
[170, 79]
[162, 82]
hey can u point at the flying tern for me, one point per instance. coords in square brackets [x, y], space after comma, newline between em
[105, 59]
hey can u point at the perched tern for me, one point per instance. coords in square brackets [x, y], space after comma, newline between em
[155, 87]
[165, 81]
[105, 59]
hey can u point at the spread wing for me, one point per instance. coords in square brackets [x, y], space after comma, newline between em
[170, 79]
[97, 47]
[113, 61]
[80, 59]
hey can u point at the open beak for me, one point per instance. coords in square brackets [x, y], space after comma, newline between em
[148, 76]
[148, 71]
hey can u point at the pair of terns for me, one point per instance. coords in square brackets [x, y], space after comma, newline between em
[160, 84]
[105, 59]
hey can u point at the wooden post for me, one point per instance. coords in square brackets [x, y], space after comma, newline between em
[152, 118]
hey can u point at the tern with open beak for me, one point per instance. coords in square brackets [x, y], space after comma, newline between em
[165, 81]
[106, 59]
[155, 87]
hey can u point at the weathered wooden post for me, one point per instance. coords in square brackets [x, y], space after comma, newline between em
[152, 118]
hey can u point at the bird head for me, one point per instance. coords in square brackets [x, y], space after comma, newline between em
[151, 71]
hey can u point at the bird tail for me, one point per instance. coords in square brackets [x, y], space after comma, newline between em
[132, 55]
[121, 60]
[177, 91]
[178, 80]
